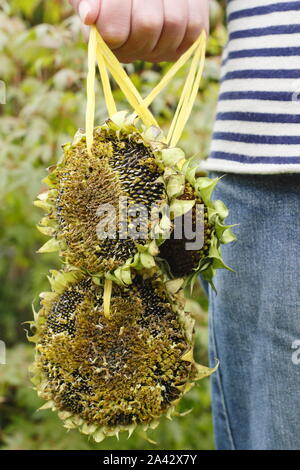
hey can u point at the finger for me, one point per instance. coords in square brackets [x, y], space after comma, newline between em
[114, 22]
[146, 27]
[198, 19]
[88, 10]
[175, 21]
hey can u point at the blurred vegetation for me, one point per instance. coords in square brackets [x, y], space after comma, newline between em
[43, 64]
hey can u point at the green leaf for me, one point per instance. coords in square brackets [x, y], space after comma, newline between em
[221, 209]
[228, 236]
[153, 248]
[175, 186]
[126, 276]
[205, 187]
[165, 225]
[49, 231]
[152, 133]
[208, 275]
[147, 260]
[174, 285]
[214, 253]
[50, 246]
[43, 205]
[119, 118]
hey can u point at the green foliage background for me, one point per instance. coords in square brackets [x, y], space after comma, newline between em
[43, 64]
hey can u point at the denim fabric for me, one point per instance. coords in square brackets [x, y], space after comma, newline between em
[254, 320]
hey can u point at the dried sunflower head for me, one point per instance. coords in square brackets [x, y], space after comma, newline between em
[122, 170]
[183, 257]
[108, 375]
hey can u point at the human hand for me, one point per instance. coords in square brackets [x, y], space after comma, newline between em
[152, 30]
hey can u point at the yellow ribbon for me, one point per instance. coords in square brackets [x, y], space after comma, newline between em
[107, 61]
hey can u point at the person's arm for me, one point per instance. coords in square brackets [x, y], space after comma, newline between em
[152, 30]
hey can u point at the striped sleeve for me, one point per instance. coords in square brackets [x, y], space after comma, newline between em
[257, 127]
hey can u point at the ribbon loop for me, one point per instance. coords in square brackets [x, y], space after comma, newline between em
[107, 61]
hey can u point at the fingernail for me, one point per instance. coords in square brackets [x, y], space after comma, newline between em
[84, 10]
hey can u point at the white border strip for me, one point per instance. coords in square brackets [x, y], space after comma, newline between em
[215, 164]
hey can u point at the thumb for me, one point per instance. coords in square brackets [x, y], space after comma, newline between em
[88, 10]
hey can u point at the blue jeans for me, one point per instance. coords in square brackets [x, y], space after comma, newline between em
[254, 320]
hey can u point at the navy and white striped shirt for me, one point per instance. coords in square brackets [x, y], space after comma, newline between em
[257, 128]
